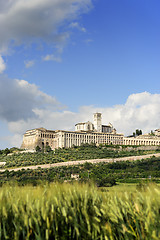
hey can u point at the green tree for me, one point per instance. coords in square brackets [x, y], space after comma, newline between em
[48, 148]
[138, 132]
[6, 151]
[152, 133]
[38, 149]
[105, 181]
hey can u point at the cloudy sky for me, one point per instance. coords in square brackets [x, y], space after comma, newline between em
[63, 60]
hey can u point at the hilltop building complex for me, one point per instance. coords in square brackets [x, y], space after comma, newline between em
[86, 132]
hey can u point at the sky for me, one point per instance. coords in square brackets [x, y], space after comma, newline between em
[63, 60]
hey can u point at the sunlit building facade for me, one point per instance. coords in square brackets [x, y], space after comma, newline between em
[86, 132]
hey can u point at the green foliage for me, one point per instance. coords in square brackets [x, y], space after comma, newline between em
[86, 151]
[105, 182]
[6, 151]
[152, 133]
[48, 148]
[78, 212]
[138, 132]
[103, 174]
[38, 149]
[141, 186]
[11, 150]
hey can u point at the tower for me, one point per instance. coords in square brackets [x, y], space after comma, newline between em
[98, 122]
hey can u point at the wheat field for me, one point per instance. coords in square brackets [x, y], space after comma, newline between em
[78, 211]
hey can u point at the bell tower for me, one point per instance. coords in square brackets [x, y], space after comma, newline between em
[98, 122]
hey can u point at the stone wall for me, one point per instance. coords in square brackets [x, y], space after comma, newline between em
[130, 148]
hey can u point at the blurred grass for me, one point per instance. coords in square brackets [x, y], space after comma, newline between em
[79, 211]
[122, 187]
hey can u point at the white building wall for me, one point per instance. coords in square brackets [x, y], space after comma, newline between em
[141, 141]
[87, 126]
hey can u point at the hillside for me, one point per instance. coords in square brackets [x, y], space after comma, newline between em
[102, 174]
[86, 151]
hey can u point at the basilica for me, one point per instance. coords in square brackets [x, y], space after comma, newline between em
[85, 132]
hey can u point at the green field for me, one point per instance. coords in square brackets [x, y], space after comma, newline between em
[123, 187]
[79, 211]
[115, 201]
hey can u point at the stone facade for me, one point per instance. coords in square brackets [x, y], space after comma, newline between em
[157, 132]
[86, 126]
[42, 137]
[142, 140]
[59, 139]
[84, 133]
[98, 122]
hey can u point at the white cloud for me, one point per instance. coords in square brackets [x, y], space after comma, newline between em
[52, 57]
[2, 65]
[18, 98]
[23, 22]
[141, 111]
[14, 140]
[29, 63]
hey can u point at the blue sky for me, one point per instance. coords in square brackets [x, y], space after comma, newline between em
[67, 59]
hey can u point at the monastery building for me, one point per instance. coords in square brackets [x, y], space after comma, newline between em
[85, 132]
